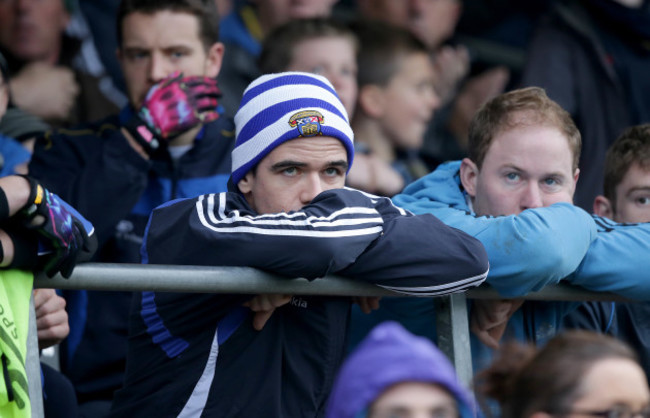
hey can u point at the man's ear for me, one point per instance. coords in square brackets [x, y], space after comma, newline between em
[468, 176]
[371, 101]
[214, 59]
[603, 207]
[245, 185]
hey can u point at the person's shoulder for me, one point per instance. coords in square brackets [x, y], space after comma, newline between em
[98, 128]
[224, 128]
[79, 140]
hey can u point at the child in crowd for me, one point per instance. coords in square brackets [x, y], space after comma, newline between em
[626, 199]
[319, 46]
[329, 48]
[393, 373]
[396, 98]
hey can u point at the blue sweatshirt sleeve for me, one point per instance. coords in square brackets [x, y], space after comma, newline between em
[341, 231]
[526, 251]
[617, 261]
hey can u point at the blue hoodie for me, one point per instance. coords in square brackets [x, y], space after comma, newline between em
[388, 356]
[526, 252]
[540, 246]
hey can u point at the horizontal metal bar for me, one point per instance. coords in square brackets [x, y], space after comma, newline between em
[204, 279]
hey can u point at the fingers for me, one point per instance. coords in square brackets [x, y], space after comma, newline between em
[53, 263]
[489, 319]
[67, 267]
[172, 78]
[207, 117]
[206, 103]
[51, 318]
[489, 313]
[53, 335]
[260, 319]
[267, 302]
[486, 338]
[264, 306]
[367, 303]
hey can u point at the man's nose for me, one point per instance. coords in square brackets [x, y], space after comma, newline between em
[532, 197]
[312, 187]
[157, 68]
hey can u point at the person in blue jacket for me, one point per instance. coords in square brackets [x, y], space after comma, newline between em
[168, 142]
[288, 213]
[514, 193]
[625, 198]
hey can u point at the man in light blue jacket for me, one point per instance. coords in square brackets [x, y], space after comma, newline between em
[514, 193]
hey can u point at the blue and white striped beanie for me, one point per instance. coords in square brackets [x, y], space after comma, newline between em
[279, 107]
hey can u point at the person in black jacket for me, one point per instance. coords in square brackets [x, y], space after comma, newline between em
[288, 213]
[167, 143]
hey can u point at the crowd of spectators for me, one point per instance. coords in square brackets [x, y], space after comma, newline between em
[514, 133]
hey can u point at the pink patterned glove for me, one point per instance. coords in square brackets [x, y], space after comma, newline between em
[179, 103]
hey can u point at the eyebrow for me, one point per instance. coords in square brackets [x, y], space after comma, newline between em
[339, 163]
[286, 164]
[291, 163]
[517, 168]
[639, 189]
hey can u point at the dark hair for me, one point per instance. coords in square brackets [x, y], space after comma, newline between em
[631, 147]
[204, 10]
[383, 49]
[533, 106]
[278, 48]
[525, 380]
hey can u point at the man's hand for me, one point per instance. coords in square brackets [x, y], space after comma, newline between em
[51, 318]
[373, 175]
[367, 303]
[452, 66]
[476, 91]
[179, 103]
[60, 231]
[490, 317]
[45, 90]
[263, 306]
[172, 107]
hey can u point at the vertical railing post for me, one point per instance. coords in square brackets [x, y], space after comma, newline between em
[33, 366]
[452, 327]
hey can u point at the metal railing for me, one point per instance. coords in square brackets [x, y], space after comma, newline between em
[452, 318]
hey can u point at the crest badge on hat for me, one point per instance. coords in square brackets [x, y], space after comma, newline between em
[308, 122]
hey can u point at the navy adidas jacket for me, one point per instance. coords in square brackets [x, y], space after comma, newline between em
[95, 169]
[193, 355]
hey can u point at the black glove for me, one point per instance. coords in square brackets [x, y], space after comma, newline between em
[63, 237]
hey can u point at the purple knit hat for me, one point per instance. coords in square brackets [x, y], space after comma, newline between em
[387, 356]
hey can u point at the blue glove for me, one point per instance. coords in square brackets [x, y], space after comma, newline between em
[62, 233]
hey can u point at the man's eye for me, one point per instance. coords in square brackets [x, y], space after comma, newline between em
[550, 181]
[290, 171]
[332, 171]
[643, 200]
[178, 54]
[349, 72]
[319, 69]
[512, 176]
[137, 55]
